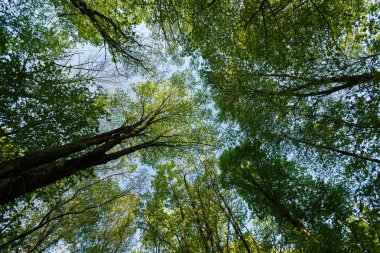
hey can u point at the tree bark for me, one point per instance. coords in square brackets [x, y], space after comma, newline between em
[37, 170]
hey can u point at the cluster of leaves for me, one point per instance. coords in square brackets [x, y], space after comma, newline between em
[50, 121]
[42, 104]
[309, 208]
[92, 215]
[298, 79]
[185, 211]
[302, 79]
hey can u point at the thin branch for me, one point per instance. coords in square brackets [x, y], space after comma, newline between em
[49, 220]
[333, 149]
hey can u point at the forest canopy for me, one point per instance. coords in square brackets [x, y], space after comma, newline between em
[189, 126]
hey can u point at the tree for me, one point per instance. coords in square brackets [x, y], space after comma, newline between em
[298, 81]
[187, 212]
[110, 24]
[311, 75]
[311, 212]
[42, 104]
[49, 93]
[299, 77]
[161, 117]
[87, 214]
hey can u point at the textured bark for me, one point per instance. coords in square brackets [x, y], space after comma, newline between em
[13, 187]
[33, 160]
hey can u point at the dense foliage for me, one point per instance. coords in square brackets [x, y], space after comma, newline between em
[254, 127]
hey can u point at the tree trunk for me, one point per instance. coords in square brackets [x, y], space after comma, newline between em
[232, 219]
[37, 170]
[197, 217]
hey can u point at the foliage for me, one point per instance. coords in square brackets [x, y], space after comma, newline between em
[111, 24]
[185, 212]
[80, 218]
[300, 78]
[307, 209]
[43, 105]
[320, 85]
[295, 85]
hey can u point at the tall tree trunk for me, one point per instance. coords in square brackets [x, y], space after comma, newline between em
[37, 170]
[232, 219]
[213, 239]
[184, 226]
[197, 217]
[282, 210]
